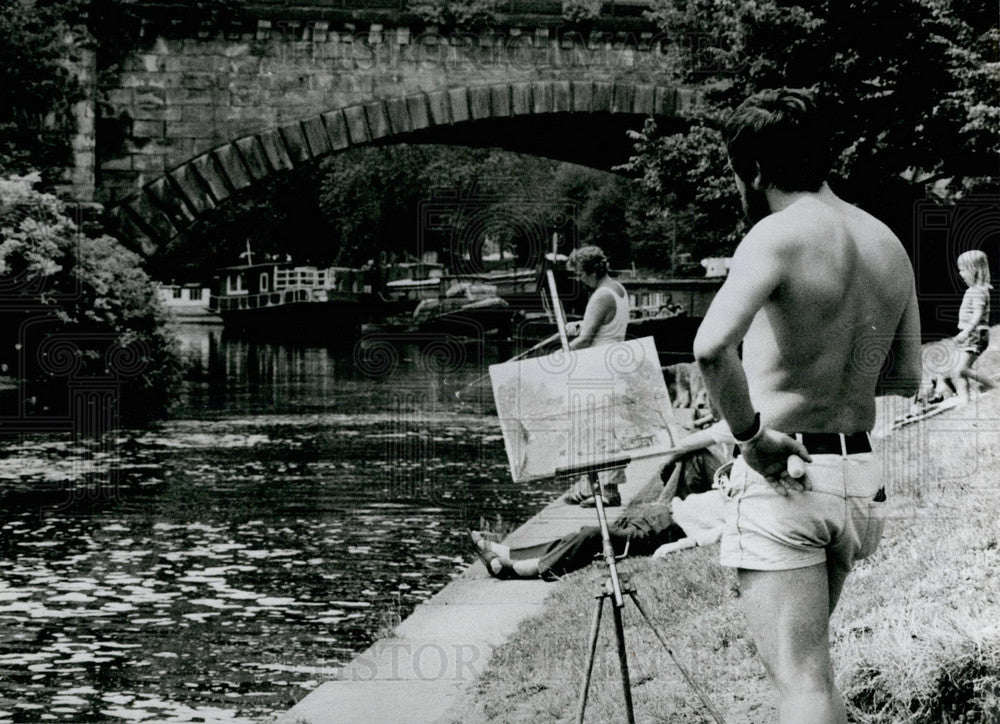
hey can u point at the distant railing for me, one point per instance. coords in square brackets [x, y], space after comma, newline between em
[611, 8]
[300, 277]
[342, 279]
[512, 7]
[267, 299]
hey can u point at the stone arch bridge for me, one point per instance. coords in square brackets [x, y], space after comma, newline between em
[201, 109]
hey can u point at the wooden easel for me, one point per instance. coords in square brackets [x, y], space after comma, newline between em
[616, 587]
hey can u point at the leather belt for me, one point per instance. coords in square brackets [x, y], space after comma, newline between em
[830, 443]
[833, 443]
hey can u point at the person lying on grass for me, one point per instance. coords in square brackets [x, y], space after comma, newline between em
[687, 509]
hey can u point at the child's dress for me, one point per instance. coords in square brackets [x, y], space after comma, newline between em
[979, 337]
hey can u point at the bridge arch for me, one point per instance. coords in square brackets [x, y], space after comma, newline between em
[532, 117]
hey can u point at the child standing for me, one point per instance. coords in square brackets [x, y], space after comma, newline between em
[973, 321]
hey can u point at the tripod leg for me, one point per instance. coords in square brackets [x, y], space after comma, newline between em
[595, 627]
[623, 662]
[687, 677]
[606, 547]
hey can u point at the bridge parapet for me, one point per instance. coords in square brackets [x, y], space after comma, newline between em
[501, 13]
[206, 105]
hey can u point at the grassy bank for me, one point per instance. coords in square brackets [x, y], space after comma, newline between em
[916, 637]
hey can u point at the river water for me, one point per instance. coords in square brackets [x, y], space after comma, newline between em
[219, 565]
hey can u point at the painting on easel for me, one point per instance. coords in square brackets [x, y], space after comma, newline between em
[577, 408]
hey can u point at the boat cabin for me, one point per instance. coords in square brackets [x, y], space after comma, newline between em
[184, 295]
[253, 286]
[650, 297]
[413, 281]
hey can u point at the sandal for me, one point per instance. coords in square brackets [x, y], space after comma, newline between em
[610, 500]
[578, 493]
[491, 560]
[483, 536]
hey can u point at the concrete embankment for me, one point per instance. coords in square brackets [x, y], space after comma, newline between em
[423, 671]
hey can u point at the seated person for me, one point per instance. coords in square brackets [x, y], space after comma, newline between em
[689, 470]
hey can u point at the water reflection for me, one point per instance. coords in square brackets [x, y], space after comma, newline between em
[230, 373]
[219, 566]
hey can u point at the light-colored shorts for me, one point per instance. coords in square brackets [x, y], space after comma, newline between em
[837, 520]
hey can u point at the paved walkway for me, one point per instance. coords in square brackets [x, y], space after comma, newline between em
[422, 673]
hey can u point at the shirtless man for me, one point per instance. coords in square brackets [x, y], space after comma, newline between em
[820, 293]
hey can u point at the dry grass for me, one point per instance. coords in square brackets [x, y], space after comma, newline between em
[916, 637]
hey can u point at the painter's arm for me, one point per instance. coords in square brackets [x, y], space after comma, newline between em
[701, 439]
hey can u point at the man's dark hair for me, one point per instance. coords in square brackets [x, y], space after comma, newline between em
[781, 131]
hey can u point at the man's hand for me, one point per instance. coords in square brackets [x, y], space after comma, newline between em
[769, 455]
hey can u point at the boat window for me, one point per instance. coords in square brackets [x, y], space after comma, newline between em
[264, 281]
[177, 292]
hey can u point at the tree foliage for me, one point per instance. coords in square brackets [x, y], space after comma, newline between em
[912, 87]
[461, 15]
[400, 201]
[80, 308]
[693, 207]
[912, 84]
[412, 199]
[372, 197]
[38, 89]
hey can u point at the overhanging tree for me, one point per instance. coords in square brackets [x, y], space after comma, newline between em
[912, 86]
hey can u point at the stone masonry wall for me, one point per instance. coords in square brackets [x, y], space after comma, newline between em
[180, 96]
[79, 179]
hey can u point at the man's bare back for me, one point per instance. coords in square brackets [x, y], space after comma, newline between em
[819, 292]
[813, 354]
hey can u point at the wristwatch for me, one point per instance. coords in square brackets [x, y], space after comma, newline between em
[750, 433]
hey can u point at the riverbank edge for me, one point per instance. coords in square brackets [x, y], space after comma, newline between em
[423, 672]
[432, 669]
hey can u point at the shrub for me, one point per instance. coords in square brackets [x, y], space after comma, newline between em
[78, 312]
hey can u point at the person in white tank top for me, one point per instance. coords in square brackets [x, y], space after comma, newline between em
[606, 315]
[604, 322]
[613, 331]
